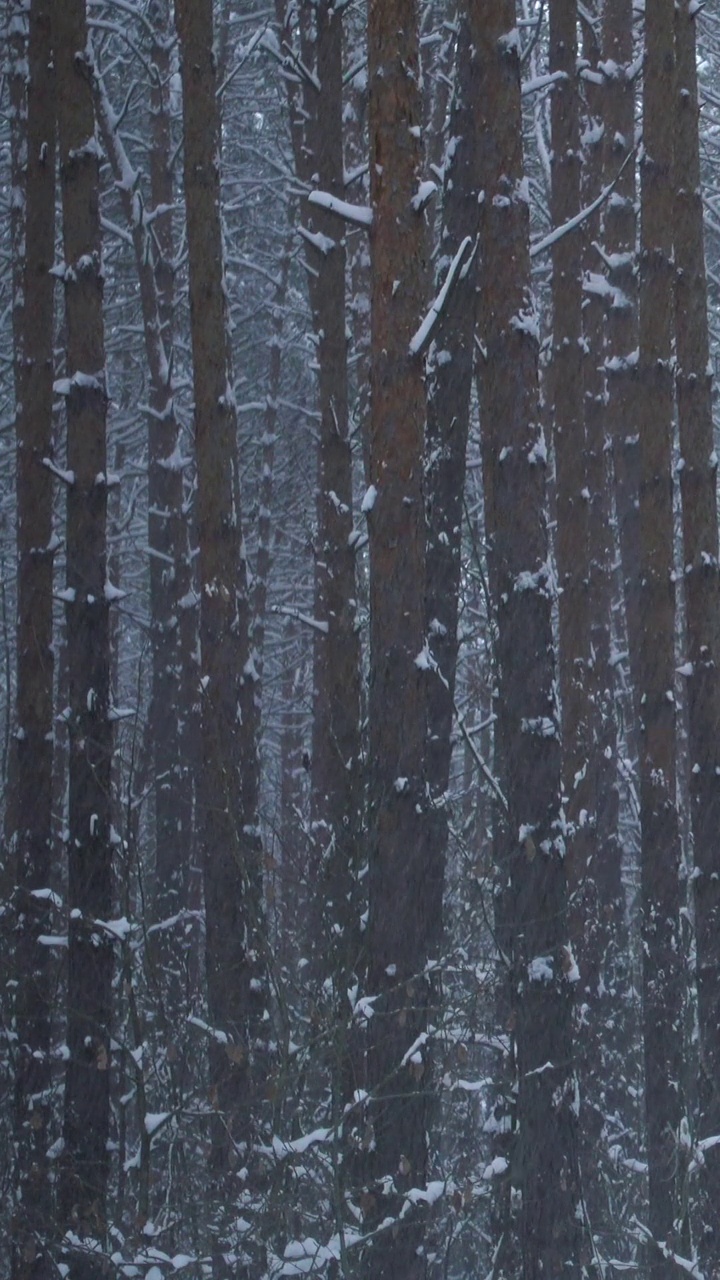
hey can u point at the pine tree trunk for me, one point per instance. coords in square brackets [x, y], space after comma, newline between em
[698, 480]
[317, 135]
[405, 875]
[544, 1160]
[168, 541]
[602, 941]
[90, 958]
[569, 437]
[660, 848]
[228, 785]
[33, 742]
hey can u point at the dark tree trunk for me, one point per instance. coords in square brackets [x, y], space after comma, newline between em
[168, 540]
[544, 1161]
[228, 784]
[406, 872]
[335, 853]
[660, 849]
[450, 372]
[600, 933]
[566, 393]
[33, 742]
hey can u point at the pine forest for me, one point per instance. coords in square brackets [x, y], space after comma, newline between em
[359, 639]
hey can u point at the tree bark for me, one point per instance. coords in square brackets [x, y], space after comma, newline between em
[405, 871]
[544, 1161]
[450, 372]
[660, 847]
[168, 534]
[33, 741]
[228, 786]
[602, 938]
[90, 959]
[316, 119]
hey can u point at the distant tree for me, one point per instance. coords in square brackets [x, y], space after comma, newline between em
[450, 373]
[619, 248]
[168, 539]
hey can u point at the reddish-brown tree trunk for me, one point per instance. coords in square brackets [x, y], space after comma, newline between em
[405, 875]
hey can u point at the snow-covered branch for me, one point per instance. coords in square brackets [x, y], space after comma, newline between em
[420, 339]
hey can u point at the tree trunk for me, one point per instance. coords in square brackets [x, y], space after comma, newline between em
[660, 850]
[87, 1100]
[698, 480]
[566, 385]
[33, 743]
[316, 118]
[450, 372]
[544, 1162]
[601, 933]
[228, 786]
[406, 872]
[168, 541]
[335, 795]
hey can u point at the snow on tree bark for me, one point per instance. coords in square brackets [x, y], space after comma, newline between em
[228, 783]
[33, 741]
[660, 841]
[405, 873]
[544, 1160]
[619, 250]
[450, 371]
